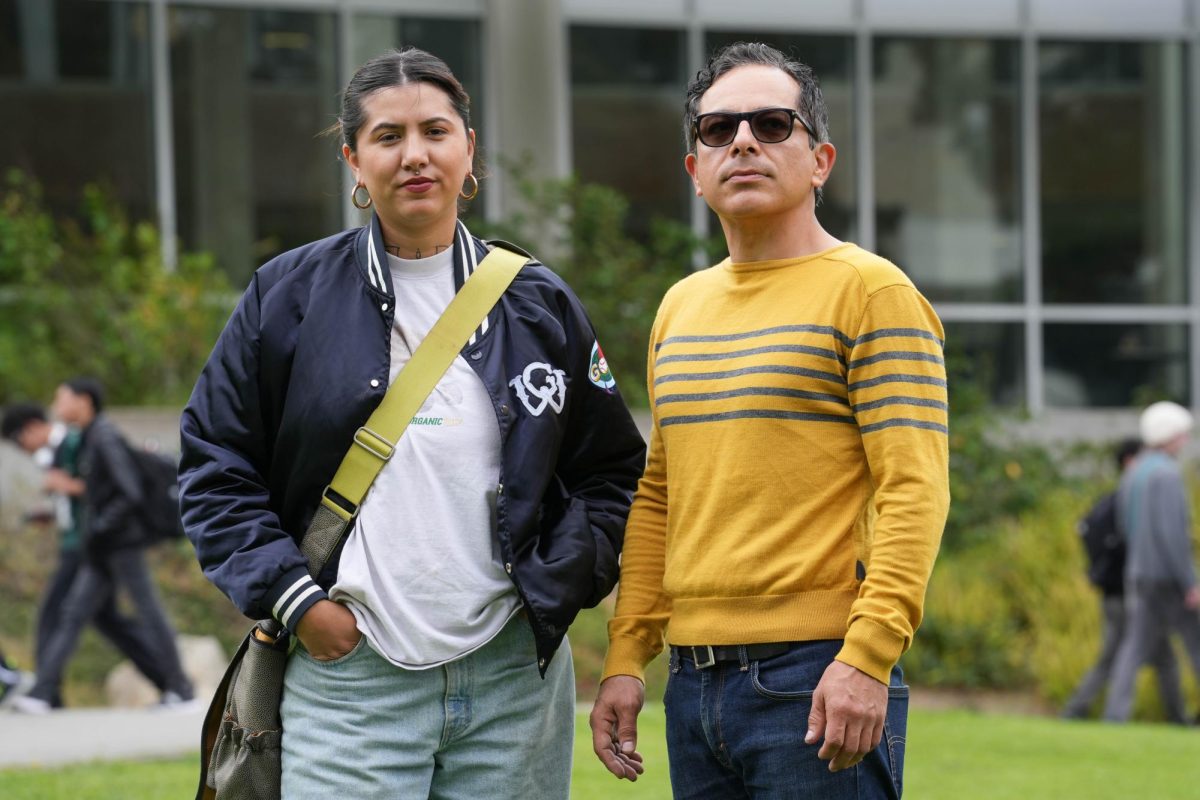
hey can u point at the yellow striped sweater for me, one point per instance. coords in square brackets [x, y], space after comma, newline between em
[796, 486]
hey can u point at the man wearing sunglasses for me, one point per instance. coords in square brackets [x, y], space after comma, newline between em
[796, 487]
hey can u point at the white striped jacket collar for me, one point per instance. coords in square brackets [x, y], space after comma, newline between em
[468, 252]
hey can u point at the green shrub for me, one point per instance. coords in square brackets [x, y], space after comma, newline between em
[96, 299]
[994, 477]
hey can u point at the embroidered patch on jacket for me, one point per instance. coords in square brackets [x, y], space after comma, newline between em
[540, 385]
[598, 371]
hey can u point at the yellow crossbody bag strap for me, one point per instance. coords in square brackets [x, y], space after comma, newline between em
[376, 440]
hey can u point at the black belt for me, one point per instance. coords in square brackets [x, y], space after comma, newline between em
[706, 655]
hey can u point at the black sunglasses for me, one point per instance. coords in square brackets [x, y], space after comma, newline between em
[769, 125]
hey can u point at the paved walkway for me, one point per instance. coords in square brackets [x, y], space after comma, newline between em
[96, 734]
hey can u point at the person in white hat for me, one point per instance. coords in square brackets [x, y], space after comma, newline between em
[1161, 592]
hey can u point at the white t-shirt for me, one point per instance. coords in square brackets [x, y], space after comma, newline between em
[422, 570]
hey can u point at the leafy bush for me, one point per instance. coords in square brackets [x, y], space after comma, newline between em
[96, 299]
[993, 476]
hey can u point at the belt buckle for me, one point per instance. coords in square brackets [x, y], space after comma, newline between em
[710, 657]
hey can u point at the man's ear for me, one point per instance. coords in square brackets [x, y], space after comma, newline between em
[689, 164]
[826, 155]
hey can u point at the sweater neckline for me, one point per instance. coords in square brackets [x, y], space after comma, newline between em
[778, 263]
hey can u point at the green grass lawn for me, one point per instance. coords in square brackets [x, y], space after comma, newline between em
[952, 755]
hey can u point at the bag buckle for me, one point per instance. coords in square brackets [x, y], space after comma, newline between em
[374, 444]
[339, 505]
[709, 659]
[270, 633]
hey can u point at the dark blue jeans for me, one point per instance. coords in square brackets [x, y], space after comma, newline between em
[736, 730]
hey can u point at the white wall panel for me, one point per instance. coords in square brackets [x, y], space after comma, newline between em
[976, 16]
[1110, 18]
[626, 12]
[789, 15]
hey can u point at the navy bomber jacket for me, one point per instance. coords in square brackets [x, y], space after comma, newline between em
[304, 361]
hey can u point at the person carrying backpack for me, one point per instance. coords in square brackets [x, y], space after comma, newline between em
[113, 541]
[1162, 592]
[1105, 545]
[56, 446]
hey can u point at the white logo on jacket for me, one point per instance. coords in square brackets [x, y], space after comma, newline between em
[540, 385]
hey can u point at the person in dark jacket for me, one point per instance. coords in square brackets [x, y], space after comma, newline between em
[113, 544]
[29, 428]
[1105, 544]
[426, 663]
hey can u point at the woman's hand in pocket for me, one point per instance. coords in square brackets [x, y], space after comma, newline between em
[328, 630]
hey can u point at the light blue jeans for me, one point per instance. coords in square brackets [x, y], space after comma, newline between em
[483, 726]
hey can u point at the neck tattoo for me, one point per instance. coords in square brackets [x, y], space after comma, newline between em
[399, 252]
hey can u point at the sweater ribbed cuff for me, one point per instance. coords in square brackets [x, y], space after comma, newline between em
[292, 595]
[872, 649]
[628, 655]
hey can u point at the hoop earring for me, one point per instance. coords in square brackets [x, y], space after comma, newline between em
[354, 197]
[474, 187]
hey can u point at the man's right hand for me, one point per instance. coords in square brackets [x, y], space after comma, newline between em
[328, 630]
[614, 725]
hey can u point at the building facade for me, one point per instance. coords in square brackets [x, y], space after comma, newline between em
[1032, 164]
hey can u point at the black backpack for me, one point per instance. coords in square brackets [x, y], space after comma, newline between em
[1105, 545]
[160, 495]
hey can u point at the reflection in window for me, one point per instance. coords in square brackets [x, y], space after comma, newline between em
[253, 89]
[988, 358]
[1112, 184]
[832, 59]
[947, 165]
[1115, 365]
[75, 94]
[627, 90]
[458, 42]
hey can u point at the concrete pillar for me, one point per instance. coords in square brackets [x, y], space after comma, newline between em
[222, 202]
[526, 82]
[38, 32]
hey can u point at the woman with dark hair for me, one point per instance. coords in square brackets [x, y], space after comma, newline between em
[426, 661]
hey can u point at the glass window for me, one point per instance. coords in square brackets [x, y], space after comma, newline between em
[947, 165]
[458, 42]
[75, 93]
[627, 90]
[1111, 365]
[832, 59]
[253, 89]
[1112, 182]
[987, 357]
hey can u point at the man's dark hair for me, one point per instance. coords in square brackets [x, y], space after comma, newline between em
[810, 105]
[398, 68]
[1127, 449]
[89, 386]
[17, 416]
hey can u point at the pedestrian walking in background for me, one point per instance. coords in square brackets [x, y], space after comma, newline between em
[111, 561]
[1104, 542]
[29, 428]
[1162, 596]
